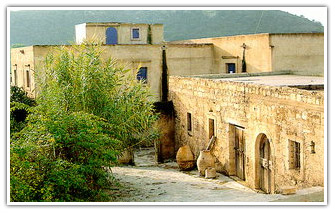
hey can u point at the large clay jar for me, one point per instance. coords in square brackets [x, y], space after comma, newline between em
[185, 158]
[204, 161]
[126, 157]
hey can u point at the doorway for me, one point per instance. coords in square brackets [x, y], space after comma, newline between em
[265, 165]
[239, 148]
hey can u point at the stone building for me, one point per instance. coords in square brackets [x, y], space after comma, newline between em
[260, 95]
[141, 47]
[269, 128]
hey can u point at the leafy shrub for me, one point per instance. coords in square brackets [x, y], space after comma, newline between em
[60, 158]
[17, 94]
[20, 104]
[88, 111]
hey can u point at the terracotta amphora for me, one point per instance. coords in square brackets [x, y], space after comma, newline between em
[185, 158]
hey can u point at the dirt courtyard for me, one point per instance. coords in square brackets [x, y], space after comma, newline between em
[148, 181]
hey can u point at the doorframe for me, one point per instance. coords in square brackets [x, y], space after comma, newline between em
[257, 162]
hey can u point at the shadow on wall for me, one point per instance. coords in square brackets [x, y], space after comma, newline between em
[165, 147]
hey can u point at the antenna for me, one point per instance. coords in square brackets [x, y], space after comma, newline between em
[259, 21]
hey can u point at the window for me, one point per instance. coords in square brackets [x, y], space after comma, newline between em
[189, 122]
[111, 36]
[28, 78]
[211, 127]
[230, 67]
[294, 152]
[15, 77]
[312, 145]
[135, 33]
[142, 74]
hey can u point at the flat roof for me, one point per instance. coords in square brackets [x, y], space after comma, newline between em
[106, 45]
[278, 80]
[253, 35]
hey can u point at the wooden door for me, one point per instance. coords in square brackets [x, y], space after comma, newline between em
[265, 165]
[239, 153]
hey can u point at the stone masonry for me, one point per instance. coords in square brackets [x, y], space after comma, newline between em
[281, 113]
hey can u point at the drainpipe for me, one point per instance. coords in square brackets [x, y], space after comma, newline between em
[165, 88]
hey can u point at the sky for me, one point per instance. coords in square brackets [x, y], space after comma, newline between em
[316, 13]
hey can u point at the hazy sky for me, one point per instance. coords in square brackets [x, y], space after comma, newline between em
[318, 14]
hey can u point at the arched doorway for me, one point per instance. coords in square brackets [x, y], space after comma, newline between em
[111, 35]
[264, 164]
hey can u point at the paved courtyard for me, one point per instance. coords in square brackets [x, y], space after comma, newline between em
[151, 182]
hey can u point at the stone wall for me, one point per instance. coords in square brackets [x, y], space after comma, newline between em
[281, 113]
[301, 52]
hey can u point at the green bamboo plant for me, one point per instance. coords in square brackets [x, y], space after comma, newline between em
[89, 109]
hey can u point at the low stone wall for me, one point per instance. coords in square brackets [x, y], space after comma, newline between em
[283, 114]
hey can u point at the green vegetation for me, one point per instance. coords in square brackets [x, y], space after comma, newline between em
[88, 111]
[20, 105]
[57, 26]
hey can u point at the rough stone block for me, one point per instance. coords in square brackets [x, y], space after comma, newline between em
[210, 173]
[288, 190]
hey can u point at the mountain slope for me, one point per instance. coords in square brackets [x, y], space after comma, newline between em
[57, 26]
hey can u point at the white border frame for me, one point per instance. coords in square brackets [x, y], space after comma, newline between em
[325, 10]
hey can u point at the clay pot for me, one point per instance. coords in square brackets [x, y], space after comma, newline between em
[185, 158]
[204, 161]
[126, 157]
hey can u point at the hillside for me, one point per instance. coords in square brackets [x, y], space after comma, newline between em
[57, 26]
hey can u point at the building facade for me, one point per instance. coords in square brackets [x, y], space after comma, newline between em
[268, 134]
[120, 33]
[302, 53]
[130, 45]
[140, 46]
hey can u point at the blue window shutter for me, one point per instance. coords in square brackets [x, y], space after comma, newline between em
[142, 74]
[136, 33]
[111, 35]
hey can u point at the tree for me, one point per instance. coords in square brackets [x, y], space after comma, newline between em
[88, 111]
